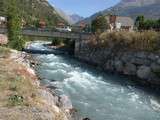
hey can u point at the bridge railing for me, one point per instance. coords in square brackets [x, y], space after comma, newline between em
[50, 33]
[53, 30]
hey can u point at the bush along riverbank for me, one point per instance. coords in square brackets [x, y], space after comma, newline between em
[22, 97]
[133, 54]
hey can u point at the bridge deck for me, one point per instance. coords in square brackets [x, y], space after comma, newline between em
[50, 33]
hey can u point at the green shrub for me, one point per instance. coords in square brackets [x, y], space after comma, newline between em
[157, 72]
[57, 41]
[15, 100]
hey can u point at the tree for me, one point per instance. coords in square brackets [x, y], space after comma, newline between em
[147, 24]
[57, 41]
[158, 24]
[2, 6]
[87, 28]
[140, 22]
[99, 24]
[14, 25]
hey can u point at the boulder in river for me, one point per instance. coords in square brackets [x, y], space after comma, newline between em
[144, 72]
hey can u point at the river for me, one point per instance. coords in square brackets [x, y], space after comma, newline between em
[95, 94]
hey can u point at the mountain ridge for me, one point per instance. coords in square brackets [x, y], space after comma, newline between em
[132, 8]
[71, 19]
[76, 18]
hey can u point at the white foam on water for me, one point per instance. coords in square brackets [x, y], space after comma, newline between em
[133, 97]
[155, 105]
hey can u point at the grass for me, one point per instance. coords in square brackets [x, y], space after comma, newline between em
[146, 40]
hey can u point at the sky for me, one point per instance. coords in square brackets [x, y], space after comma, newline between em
[83, 8]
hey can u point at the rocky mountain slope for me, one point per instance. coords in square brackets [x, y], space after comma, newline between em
[76, 18]
[136, 3]
[71, 19]
[132, 8]
[64, 15]
[34, 10]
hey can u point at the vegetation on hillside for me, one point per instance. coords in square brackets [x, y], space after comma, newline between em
[32, 11]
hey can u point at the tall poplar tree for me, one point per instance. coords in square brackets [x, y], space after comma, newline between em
[14, 25]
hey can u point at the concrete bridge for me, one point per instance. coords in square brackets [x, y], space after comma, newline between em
[79, 38]
[51, 33]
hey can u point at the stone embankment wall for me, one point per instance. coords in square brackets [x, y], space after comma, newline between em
[140, 64]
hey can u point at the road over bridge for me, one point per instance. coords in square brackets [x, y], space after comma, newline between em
[51, 33]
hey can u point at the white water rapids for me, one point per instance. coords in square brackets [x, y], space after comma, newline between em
[95, 94]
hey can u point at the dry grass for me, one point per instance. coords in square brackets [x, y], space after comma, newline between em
[4, 52]
[147, 40]
[15, 81]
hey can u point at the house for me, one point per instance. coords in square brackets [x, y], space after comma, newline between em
[2, 21]
[63, 27]
[60, 25]
[79, 28]
[42, 24]
[120, 23]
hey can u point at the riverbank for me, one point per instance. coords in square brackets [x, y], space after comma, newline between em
[131, 54]
[22, 97]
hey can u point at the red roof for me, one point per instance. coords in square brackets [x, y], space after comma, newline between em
[61, 24]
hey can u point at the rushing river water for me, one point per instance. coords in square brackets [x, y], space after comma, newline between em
[95, 94]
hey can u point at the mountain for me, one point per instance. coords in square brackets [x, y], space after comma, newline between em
[34, 10]
[71, 19]
[136, 3]
[64, 15]
[149, 8]
[76, 18]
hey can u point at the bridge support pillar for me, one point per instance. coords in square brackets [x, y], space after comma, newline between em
[77, 45]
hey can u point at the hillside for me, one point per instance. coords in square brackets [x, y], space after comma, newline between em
[132, 8]
[34, 10]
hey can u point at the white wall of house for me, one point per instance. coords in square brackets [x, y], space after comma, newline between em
[2, 20]
[118, 25]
